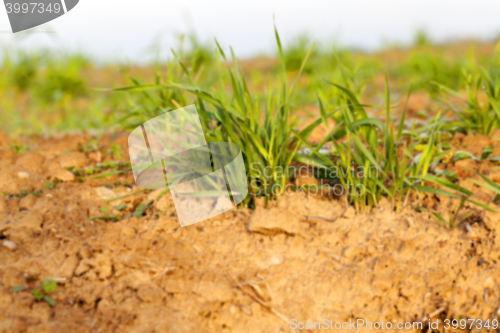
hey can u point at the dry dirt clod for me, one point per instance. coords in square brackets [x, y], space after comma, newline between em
[95, 156]
[12, 181]
[476, 144]
[350, 213]
[74, 159]
[32, 162]
[258, 299]
[274, 221]
[61, 174]
[104, 193]
[466, 167]
[27, 202]
[68, 267]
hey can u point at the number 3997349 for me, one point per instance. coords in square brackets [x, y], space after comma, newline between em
[33, 7]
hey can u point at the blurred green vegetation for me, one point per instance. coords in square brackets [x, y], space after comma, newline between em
[43, 91]
[46, 91]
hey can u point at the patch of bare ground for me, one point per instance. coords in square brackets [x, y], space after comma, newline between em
[304, 258]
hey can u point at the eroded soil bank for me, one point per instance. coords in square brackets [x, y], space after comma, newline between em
[305, 258]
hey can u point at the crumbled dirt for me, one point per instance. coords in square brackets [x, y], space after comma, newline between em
[304, 258]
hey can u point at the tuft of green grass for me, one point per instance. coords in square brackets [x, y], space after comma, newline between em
[372, 158]
[479, 111]
[24, 68]
[262, 126]
[385, 160]
[116, 151]
[51, 185]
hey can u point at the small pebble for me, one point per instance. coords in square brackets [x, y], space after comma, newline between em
[9, 244]
[274, 260]
[22, 175]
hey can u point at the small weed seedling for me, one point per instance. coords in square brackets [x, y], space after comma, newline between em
[120, 207]
[139, 211]
[41, 292]
[52, 185]
[89, 147]
[116, 151]
[19, 149]
[454, 221]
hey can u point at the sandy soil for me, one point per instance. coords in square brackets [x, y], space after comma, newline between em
[305, 258]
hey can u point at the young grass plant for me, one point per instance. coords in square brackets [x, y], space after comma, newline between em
[151, 100]
[479, 111]
[262, 126]
[371, 157]
[384, 160]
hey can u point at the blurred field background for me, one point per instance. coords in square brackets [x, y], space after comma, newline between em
[52, 78]
[47, 91]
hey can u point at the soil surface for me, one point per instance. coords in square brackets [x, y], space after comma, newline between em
[307, 258]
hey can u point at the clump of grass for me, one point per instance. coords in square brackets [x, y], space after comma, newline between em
[294, 54]
[93, 172]
[24, 70]
[479, 111]
[261, 126]
[394, 162]
[63, 78]
[374, 158]
[147, 102]
[454, 216]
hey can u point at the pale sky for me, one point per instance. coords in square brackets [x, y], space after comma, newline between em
[123, 29]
